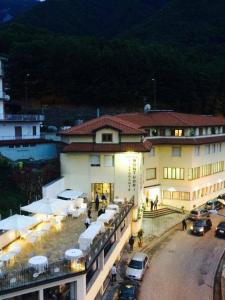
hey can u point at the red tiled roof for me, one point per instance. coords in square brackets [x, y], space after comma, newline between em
[89, 127]
[123, 147]
[187, 141]
[170, 118]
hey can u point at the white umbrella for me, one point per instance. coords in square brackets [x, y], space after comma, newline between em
[48, 206]
[17, 222]
[70, 194]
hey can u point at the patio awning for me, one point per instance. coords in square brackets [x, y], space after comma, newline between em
[18, 222]
[48, 206]
[70, 194]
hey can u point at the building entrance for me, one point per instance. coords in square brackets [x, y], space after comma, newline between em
[102, 188]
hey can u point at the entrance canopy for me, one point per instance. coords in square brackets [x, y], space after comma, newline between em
[48, 206]
[18, 222]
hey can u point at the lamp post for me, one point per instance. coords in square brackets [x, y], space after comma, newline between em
[154, 92]
[26, 87]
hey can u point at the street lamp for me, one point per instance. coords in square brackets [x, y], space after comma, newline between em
[154, 92]
[26, 87]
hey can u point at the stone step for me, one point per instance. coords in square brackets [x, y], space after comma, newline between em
[158, 213]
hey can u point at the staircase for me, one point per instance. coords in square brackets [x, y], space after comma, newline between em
[158, 213]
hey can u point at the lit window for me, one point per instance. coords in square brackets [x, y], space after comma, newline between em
[176, 151]
[107, 137]
[173, 173]
[150, 173]
[178, 132]
[108, 160]
[95, 160]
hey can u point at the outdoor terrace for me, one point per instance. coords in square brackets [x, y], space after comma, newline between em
[53, 245]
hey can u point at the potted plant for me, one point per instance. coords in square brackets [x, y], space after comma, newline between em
[140, 237]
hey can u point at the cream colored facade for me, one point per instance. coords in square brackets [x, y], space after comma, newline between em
[133, 173]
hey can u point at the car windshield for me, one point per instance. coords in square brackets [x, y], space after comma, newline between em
[209, 203]
[200, 223]
[194, 212]
[127, 291]
[135, 264]
[221, 225]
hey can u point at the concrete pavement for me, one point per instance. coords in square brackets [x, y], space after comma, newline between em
[183, 267]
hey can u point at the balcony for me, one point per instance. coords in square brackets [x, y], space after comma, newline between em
[22, 118]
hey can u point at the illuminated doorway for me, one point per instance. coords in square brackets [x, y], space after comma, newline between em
[102, 188]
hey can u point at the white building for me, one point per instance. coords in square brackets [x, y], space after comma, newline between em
[20, 137]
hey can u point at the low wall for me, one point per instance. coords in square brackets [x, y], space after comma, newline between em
[53, 188]
[223, 283]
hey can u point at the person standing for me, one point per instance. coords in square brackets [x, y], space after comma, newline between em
[156, 202]
[96, 202]
[152, 204]
[89, 213]
[113, 273]
[131, 242]
[147, 201]
[87, 222]
[184, 224]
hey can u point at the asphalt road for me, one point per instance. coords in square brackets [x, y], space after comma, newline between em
[183, 266]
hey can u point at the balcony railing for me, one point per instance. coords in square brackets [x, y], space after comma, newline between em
[23, 118]
[15, 138]
[62, 269]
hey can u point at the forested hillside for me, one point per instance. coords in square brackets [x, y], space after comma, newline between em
[179, 43]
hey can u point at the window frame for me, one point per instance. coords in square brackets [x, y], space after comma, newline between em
[97, 164]
[151, 177]
[107, 140]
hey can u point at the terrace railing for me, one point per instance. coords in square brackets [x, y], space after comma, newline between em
[23, 118]
[24, 277]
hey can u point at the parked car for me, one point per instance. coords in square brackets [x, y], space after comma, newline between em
[220, 230]
[214, 204]
[137, 266]
[197, 214]
[222, 196]
[127, 291]
[200, 227]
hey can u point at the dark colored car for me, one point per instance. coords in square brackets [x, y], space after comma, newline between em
[213, 204]
[220, 230]
[128, 291]
[198, 213]
[222, 196]
[200, 227]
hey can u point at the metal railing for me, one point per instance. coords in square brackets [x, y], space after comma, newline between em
[61, 269]
[23, 137]
[24, 118]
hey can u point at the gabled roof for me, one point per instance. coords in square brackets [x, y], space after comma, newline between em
[171, 119]
[110, 148]
[89, 127]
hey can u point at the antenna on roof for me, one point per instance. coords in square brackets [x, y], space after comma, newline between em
[147, 108]
[98, 112]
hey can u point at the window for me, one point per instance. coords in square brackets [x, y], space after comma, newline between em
[166, 194]
[197, 150]
[178, 132]
[150, 173]
[34, 130]
[174, 173]
[207, 149]
[176, 151]
[107, 137]
[108, 160]
[152, 152]
[95, 160]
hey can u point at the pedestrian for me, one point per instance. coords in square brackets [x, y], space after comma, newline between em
[156, 202]
[147, 201]
[184, 224]
[131, 242]
[89, 213]
[152, 204]
[87, 222]
[96, 202]
[113, 273]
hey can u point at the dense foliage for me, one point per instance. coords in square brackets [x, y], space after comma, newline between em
[180, 44]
